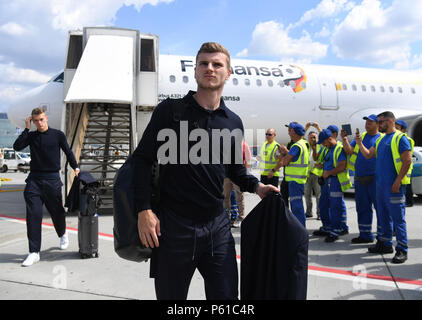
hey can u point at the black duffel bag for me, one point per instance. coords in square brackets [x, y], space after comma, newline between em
[127, 243]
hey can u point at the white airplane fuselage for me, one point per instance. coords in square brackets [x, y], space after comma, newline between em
[268, 94]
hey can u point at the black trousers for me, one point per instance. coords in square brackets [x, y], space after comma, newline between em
[185, 246]
[37, 193]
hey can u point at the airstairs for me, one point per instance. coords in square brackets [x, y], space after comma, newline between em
[110, 90]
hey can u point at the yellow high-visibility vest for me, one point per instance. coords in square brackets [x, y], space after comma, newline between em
[268, 158]
[298, 170]
[316, 171]
[343, 177]
[321, 158]
[351, 161]
[395, 141]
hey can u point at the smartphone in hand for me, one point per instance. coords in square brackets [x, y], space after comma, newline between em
[347, 128]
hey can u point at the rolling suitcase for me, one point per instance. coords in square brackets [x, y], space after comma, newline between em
[88, 222]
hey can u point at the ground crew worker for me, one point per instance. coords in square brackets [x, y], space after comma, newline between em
[296, 161]
[314, 173]
[336, 181]
[365, 186]
[334, 129]
[43, 185]
[402, 126]
[269, 158]
[393, 160]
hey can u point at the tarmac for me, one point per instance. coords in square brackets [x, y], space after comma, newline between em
[337, 271]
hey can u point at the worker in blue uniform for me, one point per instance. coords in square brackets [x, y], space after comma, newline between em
[336, 181]
[402, 126]
[296, 161]
[393, 160]
[365, 186]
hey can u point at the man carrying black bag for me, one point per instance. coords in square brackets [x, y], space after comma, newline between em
[189, 229]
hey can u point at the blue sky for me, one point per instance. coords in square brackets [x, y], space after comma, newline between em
[366, 33]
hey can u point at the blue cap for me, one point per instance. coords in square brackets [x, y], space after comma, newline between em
[371, 117]
[402, 123]
[297, 127]
[324, 135]
[332, 128]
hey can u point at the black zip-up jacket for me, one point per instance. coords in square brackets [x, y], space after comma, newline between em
[192, 190]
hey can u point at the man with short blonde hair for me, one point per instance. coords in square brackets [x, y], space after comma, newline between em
[43, 185]
[189, 229]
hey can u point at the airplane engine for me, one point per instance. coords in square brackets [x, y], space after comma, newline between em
[416, 131]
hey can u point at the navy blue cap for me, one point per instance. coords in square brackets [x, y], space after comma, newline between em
[324, 135]
[371, 117]
[402, 123]
[332, 128]
[297, 127]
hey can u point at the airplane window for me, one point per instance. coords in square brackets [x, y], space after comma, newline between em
[400, 90]
[354, 88]
[247, 82]
[413, 90]
[235, 81]
[172, 78]
[270, 83]
[363, 88]
[258, 82]
[382, 89]
[60, 78]
[344, 86]
[185, 79]
[373, 88]
[391, 89]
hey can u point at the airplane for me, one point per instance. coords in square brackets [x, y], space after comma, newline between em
[270, 94]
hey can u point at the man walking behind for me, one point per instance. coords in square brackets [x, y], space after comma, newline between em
[43, 185]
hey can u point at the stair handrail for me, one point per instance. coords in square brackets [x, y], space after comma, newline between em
[71, 146]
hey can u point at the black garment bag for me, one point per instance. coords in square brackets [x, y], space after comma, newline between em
[274, 253]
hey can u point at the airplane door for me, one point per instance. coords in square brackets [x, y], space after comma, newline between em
[329, 105]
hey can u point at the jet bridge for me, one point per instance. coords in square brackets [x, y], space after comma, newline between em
[110, 90]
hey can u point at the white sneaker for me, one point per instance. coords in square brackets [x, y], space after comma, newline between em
[64, 242]
[32, 258]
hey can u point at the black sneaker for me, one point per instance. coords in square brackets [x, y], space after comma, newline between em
[361, 240]
[320, 233]
[330, 238]
[343, 233]
[380, 248]
[399, 257]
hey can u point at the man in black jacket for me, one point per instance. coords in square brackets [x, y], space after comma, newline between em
[43, 185]
[189, 229]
